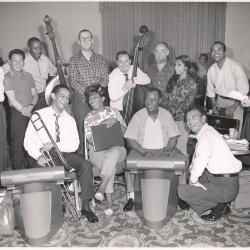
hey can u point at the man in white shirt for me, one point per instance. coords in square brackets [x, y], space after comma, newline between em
[120, 80]
[40, 67]
[224, 76]
[63, 130]
[214, 171]
[151, 131]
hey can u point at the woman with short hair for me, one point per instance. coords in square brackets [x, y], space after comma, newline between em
[105, 160]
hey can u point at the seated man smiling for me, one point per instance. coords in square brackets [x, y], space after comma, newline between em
[151, 131]
[214, 171]
[105, 160]
[62, 128]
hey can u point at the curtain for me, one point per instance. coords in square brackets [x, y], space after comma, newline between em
[188, 28]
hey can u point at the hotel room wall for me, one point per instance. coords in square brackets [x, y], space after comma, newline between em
[237, 35]
[20, 21]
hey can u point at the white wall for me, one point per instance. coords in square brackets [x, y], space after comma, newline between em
[238, 33]
[20, 21]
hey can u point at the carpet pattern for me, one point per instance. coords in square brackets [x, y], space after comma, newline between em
[125, 229]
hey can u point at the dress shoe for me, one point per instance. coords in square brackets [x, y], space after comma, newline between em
[183, 204]
[129, 205]
[91, 217]
[212, 216]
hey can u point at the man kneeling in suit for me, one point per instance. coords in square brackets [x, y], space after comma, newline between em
[214, 171]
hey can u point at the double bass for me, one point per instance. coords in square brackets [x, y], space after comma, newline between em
[60, 78]
[134, 99]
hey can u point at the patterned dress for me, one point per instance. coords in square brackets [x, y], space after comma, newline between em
[181, 97]
[94, 119]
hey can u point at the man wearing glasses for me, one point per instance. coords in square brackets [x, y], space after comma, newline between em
[85, 69]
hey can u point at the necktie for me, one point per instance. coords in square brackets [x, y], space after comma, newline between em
[57, 129]
[128, 101]
[126, 75]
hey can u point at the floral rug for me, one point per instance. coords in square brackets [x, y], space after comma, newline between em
[125, 229]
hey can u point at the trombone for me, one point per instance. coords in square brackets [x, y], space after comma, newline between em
[68, 201]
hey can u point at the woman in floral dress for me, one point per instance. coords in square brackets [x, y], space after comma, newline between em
[180, 94]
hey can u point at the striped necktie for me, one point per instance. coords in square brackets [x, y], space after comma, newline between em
[126, 75]
[57, 129]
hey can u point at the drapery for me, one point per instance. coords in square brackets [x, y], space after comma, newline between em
[188, 28]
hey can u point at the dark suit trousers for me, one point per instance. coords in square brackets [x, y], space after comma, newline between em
[18, 124]
[80, 110]
[219, 190]
[84, 174]
[83, 170]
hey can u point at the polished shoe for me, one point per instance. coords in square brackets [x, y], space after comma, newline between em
[129, 205]
[212, 216]
[183, 204]
[91, 217]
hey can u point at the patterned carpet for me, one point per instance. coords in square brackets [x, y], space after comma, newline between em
[122, 229]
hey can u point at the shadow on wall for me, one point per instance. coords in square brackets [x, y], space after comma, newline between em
[246, 67]
[172, 54]
[247, 70]
[230, 53]
[42, 31]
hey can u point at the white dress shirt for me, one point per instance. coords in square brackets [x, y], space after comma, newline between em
[1, 85]
[69, 139]
[153, 138]
[40, 70]
[213, 153]
[116, 82]
[221, 81]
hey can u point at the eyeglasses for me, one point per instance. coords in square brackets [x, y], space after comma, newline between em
[82, 39]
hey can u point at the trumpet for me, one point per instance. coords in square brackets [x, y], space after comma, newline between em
[68, 201]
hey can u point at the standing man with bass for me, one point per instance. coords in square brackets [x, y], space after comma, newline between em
[85, 69]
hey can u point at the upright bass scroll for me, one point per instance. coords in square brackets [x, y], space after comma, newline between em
[60, 79]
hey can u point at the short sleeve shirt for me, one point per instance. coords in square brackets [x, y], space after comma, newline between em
[137, 126]
[22, 83]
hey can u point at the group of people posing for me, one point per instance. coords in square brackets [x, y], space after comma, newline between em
[174, 94]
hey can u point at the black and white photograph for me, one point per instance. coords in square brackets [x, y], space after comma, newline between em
[124, 124]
